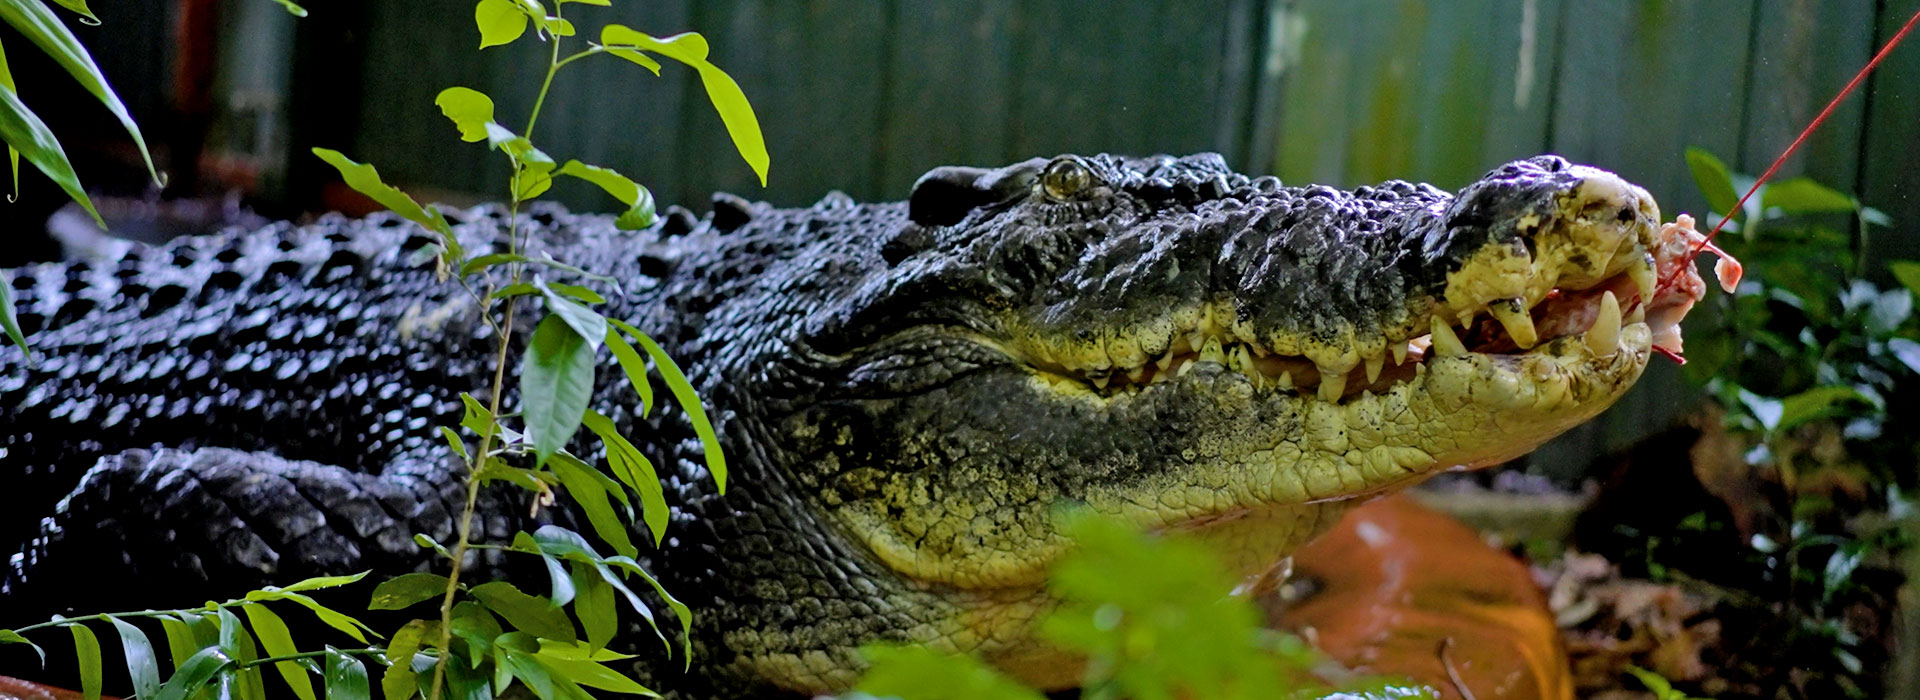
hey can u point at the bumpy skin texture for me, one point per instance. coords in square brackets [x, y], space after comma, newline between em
[906, 392]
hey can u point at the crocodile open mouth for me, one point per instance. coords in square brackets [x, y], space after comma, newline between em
[1658, 288]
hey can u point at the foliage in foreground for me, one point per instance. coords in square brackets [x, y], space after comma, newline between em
[490, 637]
[1156, 621]
[1815, 368]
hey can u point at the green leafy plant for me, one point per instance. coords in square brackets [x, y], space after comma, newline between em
[489, 636]
[1814, 366]
[1153, 617]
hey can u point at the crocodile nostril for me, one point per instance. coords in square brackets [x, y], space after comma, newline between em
[1626, 214]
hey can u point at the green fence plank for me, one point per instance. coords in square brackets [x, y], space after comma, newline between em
[1438, 92]
[1887, 173]
[1804, 52]
[948, 95]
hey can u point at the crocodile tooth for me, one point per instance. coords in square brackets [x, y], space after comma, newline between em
[1445, 343]
[1604, 337]
[1399, 352]
[1101, 381]
[1374, 364]
[1241, 360]
[1285, 381]
[1332, 384]
[1136, 374]
[1159, 377]
[1643, 277]
[1638, 315]
[1164, 360]
[1185, 367]
[1512, 314]
[1211, 352]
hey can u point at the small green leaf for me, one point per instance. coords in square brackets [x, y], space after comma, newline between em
[515, 290]
[238, 645]
[577, 292]
[400, 682]
[591, 326]
[500, 22]
[142, 667]
[24, 131]
[635, 470]
[593, 675]
[556, 383]
[530, 183]
[180, 641]
[530, 614]
[465, 681]
[454, 443]
[558, 26]
[680, 610]
[9, 321]
[1802, 195]
[319, 582]
[39, 25]
[522, 666]
[1711, 176]
[365, 179]
[426, 542]
[689, 402]
[482, 262]
[594, 605]
[13, 154]
[406, 590]
[275, 638]
[1907, 272]
[79, 7]
[346, 677]
[347, 624]
[469, 109]
[497, 470]
[1814, 403]
[473, 623]
[590, 490]
[292, 8]
[12, 637]
[86, 651]
[634, 367]
[477, 418]
[608, 179]
[193, 674]
[735, 112]
[634, 55]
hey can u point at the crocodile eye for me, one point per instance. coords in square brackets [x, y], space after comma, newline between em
[1065, 178]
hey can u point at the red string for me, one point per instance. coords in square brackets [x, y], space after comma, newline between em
[1804, 133]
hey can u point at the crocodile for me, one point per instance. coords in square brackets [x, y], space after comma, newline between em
[907, 392]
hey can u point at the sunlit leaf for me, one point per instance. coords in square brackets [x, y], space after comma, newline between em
[1715, 183]
[1815, 403]
[277, 641]
[181, 643]
[530, 614]
[735, 112]
[142, 667]
[292, 8]
[24, 131]
[1907, 272]
[556, 383]
[639, 201]
[238, 644]
[86, 652]
[637, 57]
[591, 326]
[469, 109]
[407, 590]
[634, 367]
[454, 443]
[346, 677]
[1802, 195]
[594, 605]
[500, 22]
[365, 179]
[353, 627]
[79, 7]
[593, 675]
[522, 666]
[400, 682]
[39, 25]
[13, 154]
[689, 402]
[497, 470]
[319, 582]
[12, 637]
[477, 418]
[193, 674]
[680, 610]
[636, 471]
[590, 493]
[530, 183]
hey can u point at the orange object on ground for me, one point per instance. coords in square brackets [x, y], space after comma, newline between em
[1407, 591]
[16, 689]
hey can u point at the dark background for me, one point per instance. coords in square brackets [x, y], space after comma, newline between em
[862, 96]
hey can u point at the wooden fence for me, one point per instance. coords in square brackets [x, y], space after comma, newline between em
[862, 96]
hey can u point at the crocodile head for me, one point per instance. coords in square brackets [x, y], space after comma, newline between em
[1190, 349]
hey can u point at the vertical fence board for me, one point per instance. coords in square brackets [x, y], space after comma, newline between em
[1804, 51]
[1888, 178]
[947, 100]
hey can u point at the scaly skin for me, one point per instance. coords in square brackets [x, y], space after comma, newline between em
[907, 392]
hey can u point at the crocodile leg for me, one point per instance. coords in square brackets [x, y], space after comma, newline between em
[171, 528]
